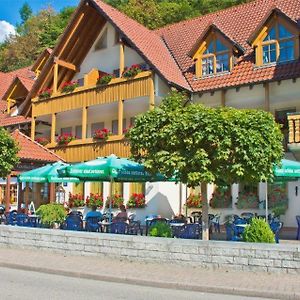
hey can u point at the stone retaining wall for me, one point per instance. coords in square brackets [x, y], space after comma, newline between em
[213, 254]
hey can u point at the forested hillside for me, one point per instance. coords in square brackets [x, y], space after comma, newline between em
[39, 31]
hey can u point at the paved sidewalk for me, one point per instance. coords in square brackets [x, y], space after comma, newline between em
[276, 286]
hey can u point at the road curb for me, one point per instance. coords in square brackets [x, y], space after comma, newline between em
[157, 284]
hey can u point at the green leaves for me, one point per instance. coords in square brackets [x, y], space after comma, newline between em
[8, 153]
[205, 144]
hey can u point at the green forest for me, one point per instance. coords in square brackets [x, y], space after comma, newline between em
[41, 30]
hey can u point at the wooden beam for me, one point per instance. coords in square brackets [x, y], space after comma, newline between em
[151, 94]
[223, 98]
[53, 128]
[84, 122]
[52, 193]
[120, 116]
[67, 65]
[33, 128]
[267, 96]
[55, 78]
[122, 58]
[7, 193]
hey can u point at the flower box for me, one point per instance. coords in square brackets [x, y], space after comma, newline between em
[76, 200]
[221, 199]
[247, 200]
[45, 94]
[94, 200]
[116, 201]
[42, 140]
[69, 87]
[278, 198]
[136, 201]
[132, 71]
[101, 134]
[65, 139]
[193, 201]
[105, 79]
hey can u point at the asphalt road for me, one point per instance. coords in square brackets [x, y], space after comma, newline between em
[26, 285]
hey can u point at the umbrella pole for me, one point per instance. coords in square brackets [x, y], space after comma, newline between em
[266, 203]
[110, 204]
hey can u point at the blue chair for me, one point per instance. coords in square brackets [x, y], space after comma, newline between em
[119, 228]
[73, 222]
[238, 230]
[189, 231]
[23, 220]
[229, 231]
[276, 227]
[93, 224]
[298, 231]
[11, 218]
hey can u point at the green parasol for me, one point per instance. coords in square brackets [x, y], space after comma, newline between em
[46, 173]
[111, 168]
[288, 169]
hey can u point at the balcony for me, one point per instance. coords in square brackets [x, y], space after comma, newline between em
[83, 150]
[118, 89]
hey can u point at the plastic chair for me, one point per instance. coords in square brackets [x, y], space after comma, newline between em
[73, 222]
[93, 224]
[23, 220]
[11, 218]
[247, 216]
[135, 228]
[276, 227]
[298, 231]
[229, 231]
[119, 228]
[189, 231]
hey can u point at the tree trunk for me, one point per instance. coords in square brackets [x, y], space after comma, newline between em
[205, 224]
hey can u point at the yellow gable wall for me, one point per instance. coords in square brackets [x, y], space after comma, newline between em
[107, 59]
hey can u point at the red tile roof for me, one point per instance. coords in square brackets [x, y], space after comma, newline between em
[6, 120]
[31, 150]
[5, 81]
[3, 106]
[27, 82]
[147, 43]
[238, 23]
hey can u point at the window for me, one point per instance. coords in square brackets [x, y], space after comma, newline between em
[78, 132]
[132, 121]
[102, 42]
[215, 59]
[278, 45]
[78, 188]
[137, 188]
[117, 38]
[66, 130]
[96, 126]
[115, 126]
[117, 188]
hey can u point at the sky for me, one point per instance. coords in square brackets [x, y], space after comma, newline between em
[9, 12]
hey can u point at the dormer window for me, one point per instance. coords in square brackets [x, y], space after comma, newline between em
[214, 52]
[278, 45]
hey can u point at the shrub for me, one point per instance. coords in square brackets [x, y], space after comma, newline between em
[51, 213]
[76, 200]
[116, 201]
[45, 94]
[65, 139]
[160, 229]
[94, 200]
[136, 201]
[132, 71]
[69, 87]
[101, 134]
[258, 231]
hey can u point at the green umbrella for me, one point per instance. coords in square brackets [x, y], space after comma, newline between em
[111, 168]
[46, 173]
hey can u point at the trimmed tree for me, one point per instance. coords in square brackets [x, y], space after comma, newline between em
[8, 153]
[206, 145]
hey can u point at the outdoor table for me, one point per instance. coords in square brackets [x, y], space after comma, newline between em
[105, 225]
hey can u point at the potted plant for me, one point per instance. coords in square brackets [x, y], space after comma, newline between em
[51, 214]
[221, 198]
[42, 140]
[101, 134]
[193, 201]
[76, 200]
[116, 201]
[132, 71]
[160, 229]
[94, 200]
[105, 79]
[65, 139]
[45, 94]
[69, 87]
[136, 201]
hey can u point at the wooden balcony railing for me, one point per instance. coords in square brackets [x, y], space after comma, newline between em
[294, 128]
[118, 89]
[79, 150]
